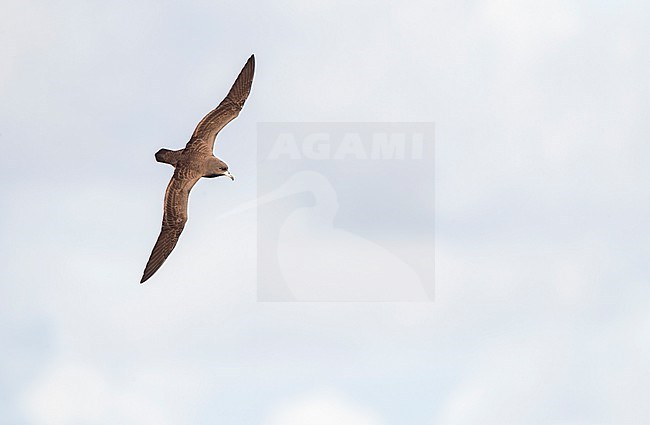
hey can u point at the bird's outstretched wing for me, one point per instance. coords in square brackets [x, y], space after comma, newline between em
[174, 219]
[206, 131]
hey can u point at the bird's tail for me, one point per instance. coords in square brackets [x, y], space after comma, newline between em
[167, 156]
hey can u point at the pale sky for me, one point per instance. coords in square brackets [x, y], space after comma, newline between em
[542, 308]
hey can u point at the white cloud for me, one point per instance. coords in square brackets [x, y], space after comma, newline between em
[530, 25]
[72, 393]
[324, 408]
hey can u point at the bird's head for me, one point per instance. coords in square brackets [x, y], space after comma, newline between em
[217, 167]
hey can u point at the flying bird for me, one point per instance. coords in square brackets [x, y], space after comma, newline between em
[194, 162]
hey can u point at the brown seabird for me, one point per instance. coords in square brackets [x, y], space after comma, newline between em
[194, 162]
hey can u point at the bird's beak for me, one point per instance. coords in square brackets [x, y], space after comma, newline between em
[227, 174]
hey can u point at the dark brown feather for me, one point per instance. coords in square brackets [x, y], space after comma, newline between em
[174, 219]
[206, 131]
[195, 161]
